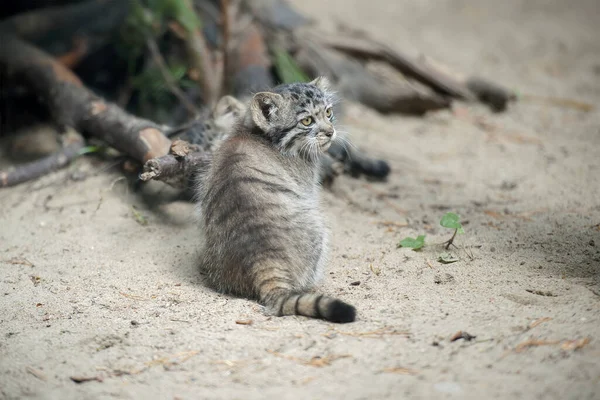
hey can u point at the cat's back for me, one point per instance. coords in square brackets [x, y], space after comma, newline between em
[249, 180]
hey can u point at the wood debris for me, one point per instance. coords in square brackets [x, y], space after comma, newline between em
[316, 361]
[19, 261]
[462, 335]
[37, 373]
[541, 292]
[401, 371]
[566, 345]
[521, 347]
[83, 379]
[575, 344]
[538, 321]
[377, 333]
[132, 296]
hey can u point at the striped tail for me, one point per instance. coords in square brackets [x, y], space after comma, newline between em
[312, 305]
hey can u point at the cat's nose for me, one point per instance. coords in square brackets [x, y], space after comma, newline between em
[329, 133]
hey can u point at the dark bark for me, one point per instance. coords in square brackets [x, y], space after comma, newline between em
[56, 28]
[73, 105]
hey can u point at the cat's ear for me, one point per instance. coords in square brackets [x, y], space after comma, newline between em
[229, 105]
[322, 83]
[264, 107]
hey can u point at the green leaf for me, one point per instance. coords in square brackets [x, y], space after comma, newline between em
[448, 258]
[411, 243]
[287, 68]
[89, 149]
[451, 220]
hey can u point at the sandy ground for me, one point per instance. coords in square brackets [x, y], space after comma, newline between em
[87, 291]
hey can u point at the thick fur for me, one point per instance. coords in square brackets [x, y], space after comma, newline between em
[263, 233]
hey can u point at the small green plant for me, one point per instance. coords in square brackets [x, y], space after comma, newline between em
[452, 221]
[449, 220]
[415, 244]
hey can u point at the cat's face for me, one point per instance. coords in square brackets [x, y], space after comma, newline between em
[297, 118]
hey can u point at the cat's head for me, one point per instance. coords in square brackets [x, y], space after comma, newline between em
[297, 118]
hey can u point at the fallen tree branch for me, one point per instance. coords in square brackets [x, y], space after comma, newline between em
[54, 28]
[174, 170]
[225, 43]
[280, 19]
[363, 47]
[73, 105]
[201, 58]
[356, 83]
[169, 80]
[250, 65]
[470, 89]
[72, 145]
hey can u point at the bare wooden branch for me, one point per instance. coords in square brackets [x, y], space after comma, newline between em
[72, 145]
[69, 31]
[173, 170]
[225, 42]
[356, 83]
[363, 47]
[202, 59]
[73, 105]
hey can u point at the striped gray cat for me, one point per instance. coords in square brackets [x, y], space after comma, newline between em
[263, 233]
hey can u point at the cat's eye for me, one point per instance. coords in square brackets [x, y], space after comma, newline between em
[329, 112]
[307, 121]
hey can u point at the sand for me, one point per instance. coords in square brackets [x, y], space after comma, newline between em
[86, 291]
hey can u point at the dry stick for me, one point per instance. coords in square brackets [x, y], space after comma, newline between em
[367, 48]
[73, 105]
[73, 143]
[441, 81]
[226, 37]
[174, 170]
[169, 80]
[201, 58]
[358, 84]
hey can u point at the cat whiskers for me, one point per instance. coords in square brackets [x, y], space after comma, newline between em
[305, 148]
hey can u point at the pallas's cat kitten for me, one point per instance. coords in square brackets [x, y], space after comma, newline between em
[263, 234]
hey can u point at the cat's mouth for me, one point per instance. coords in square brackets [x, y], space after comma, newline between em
[325, 145]
[325, 141]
